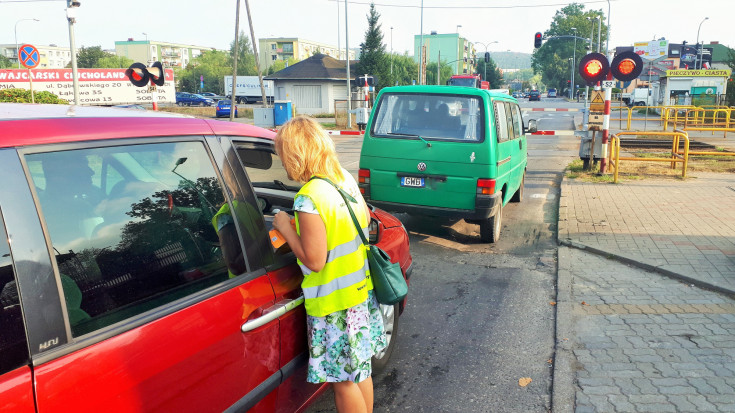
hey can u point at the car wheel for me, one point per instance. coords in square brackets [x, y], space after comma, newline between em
[518, 196]
[390, 321]
[490, 228]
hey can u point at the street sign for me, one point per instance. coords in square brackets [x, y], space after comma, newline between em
[595, 121]
[29, 56]
[597, 102]
[608, 84]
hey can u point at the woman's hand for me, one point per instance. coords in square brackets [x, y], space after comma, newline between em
[282, 223]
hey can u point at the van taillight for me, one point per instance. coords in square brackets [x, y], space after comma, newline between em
[486, 186]
[363, 176]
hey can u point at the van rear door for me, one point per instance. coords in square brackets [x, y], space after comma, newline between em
[427, 149]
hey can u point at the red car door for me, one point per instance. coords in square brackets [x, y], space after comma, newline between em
[148, 314]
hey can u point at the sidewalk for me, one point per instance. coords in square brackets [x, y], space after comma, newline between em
[631, 336]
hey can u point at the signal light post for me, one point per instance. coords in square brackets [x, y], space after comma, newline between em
[140, 76]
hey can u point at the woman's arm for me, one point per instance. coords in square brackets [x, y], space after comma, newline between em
[311, 247]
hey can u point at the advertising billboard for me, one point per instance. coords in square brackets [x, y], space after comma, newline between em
[652, 49]
[96, 86]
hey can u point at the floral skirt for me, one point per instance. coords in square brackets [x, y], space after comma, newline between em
[342, 343]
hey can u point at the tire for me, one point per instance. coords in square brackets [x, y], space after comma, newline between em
[490, 228]
[390, 320]
[639, 104]
[518, 196]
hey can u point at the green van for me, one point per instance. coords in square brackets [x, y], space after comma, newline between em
[449, 151]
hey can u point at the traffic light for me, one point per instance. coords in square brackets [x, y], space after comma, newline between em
[537, 40]
[487, 57]
[140, 75]
[626, 66]
[594, 67]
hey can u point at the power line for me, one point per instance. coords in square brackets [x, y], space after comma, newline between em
[474, 7]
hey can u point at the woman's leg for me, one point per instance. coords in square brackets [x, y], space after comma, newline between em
[366, 388]
[349, 398]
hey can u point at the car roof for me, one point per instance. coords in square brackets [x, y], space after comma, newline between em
[33, 124]
[452, 90]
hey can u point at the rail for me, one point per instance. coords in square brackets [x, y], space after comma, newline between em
[676, 157]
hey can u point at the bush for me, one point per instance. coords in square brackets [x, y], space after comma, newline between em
[24, 96]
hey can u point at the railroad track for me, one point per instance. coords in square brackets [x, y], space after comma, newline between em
[660, 144]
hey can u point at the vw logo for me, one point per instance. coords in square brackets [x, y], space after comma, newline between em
[421, 166]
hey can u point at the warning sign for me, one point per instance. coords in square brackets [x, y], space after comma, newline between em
[597, 104]
[595, 121]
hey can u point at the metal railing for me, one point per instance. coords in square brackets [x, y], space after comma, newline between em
[676, 156]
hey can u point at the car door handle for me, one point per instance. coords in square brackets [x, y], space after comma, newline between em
[520, 144]
[272, 313]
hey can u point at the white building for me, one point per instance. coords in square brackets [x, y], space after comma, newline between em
[52, 56]
[169, 54]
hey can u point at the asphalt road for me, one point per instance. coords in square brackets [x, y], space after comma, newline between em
[479, 316]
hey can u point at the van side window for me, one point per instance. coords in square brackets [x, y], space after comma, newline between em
[131, 227]
[501, 121]
[13, 343]
[517, 120]
[512, 134]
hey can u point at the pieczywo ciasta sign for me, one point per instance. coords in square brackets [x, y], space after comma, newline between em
[96, 86]
[698, 73]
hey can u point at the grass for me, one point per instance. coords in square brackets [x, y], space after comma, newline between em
[327, 125]
[204, 111]
[636, 170]
[323, 115]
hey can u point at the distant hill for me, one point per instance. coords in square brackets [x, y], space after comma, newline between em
[511, 60]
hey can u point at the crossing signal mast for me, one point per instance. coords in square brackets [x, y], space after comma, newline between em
[141, 76]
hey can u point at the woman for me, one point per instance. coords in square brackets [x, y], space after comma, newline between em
[344, 325]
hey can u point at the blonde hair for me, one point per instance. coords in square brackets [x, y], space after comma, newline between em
[307, 150]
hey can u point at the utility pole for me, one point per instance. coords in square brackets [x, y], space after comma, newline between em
[257, 60]
[347, 58]
[234, 63]
[71, 17]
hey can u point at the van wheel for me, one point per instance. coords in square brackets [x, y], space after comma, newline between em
[490, 228]
[518, 196]
[390, 321]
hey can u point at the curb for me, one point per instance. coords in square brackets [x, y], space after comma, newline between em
[553, 132]
[345, 132]
[550, 110]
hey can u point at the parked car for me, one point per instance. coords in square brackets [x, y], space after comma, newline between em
[192, 99]
[534, 95]
[117, 288]
[451, 152]
[551, 93]
[210, 95]
[223, 108]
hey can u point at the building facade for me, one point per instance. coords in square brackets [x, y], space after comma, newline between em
[284, 48]
[169, 54]
[51, 56]
[455, 50]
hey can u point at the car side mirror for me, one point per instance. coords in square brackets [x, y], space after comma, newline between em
[532, 127]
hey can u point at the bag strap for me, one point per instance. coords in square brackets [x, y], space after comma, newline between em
[347, 198]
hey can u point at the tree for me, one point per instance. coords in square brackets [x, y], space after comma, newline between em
[280, 65]
[213, 65]
[552, 59]
[446, 73]
[492, 72]
[405, 71]
[87, 57]
[373, 59]
[114, 62]
[730, 81]
[5, 63]
[245, 57]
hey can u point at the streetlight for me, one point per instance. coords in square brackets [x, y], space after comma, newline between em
[391, 52]
[148, 49]
[17, 50]
[574, 60]
[458, 26]
[700, 49]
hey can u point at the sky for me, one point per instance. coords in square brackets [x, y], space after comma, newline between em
[211, 23]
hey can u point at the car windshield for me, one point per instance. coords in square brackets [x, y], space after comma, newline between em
[469, 81]
[429, 116]
[224, 102]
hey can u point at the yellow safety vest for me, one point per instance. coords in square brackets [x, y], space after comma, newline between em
[243, 210]
[345, 279]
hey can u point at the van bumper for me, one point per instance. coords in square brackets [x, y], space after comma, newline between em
[485, 207]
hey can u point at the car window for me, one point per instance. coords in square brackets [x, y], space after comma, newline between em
[131, 227]
[509, 121]
[13, 343]
[517, 121]
[500, 121]
[430, 116]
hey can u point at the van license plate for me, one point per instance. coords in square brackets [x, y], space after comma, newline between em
[412, 181]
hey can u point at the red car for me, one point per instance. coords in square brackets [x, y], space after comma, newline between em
[117, 291]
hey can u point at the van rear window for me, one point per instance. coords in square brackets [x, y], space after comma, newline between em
[429, 116]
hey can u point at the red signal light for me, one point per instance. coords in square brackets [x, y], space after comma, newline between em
[537, 38]
[594, 67]
[627, 66]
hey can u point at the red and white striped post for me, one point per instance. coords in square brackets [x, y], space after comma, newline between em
[605, 126]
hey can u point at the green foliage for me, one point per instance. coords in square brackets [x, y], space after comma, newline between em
[87, 57]
[214, 65]
[245, 57]
[24, 96]
[731, 80]
[446, 73]
[552, 59]
[280, 65]
[405, 70]
[373, 59]
[114, 62]
[489, 73]
[5, 63]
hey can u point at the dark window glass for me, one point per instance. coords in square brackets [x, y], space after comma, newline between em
[13, 344]
[500, 122]
[509, 120]
[131, 227]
